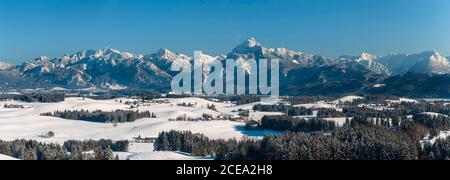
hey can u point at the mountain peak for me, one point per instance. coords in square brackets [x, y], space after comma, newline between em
[367, 57]
[251, 42]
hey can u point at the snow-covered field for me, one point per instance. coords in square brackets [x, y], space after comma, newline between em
[4, 157]
[27, 123]
[441, 135]
[347, 99]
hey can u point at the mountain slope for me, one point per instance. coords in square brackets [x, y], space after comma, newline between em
[101, 68]
[7, 158]
[5, 66]
[301, 73]
[367, 60]
[415, 85]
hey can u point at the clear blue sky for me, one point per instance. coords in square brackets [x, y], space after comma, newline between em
[30, 28]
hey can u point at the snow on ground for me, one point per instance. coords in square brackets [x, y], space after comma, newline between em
[403, 100]
[317, 105]
[28, 124]
[442, 135]
[433, 114]
[340, 122]
[4, 157]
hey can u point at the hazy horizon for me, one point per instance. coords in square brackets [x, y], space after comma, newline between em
[330, 28]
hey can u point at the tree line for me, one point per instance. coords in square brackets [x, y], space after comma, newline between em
[287, 109]
[43, 98]
[348, 143]
[434, 123]
[118, 116]
[73, 150]
[186, 141]
[287, 123]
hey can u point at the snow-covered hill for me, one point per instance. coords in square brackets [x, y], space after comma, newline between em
[5, 66]
[368, 60]
[28, 124]
[6, 158]
[112, 69]
[425, 62]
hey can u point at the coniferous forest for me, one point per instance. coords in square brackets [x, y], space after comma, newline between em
[118, 116]
[393, 133]
[349, 143]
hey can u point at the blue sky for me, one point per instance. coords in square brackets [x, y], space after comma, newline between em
[31, 28]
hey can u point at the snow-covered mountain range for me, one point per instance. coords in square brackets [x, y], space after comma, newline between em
[289, 59]
[5, 66]
[112, 69]
[398, 64]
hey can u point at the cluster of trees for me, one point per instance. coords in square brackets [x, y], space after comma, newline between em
[373, 113]
[43, 98]
[241, 100]
[183, 117]
[288, 110]
[184, 104]
[118, 116]
[349, 143]
[423, 106]
[434, 123]
[368, 121]
[33, 150]
[89, 145]
[397, 115]
[287, 123]
[373, 99]
[329, 113]
[405, 108]
[358, 143]
[244, 112]
[294, 100]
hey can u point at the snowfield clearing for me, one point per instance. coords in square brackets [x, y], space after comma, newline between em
[347, 99]
[144, 151]
[27, 123]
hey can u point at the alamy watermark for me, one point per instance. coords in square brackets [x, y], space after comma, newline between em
[227, 77]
